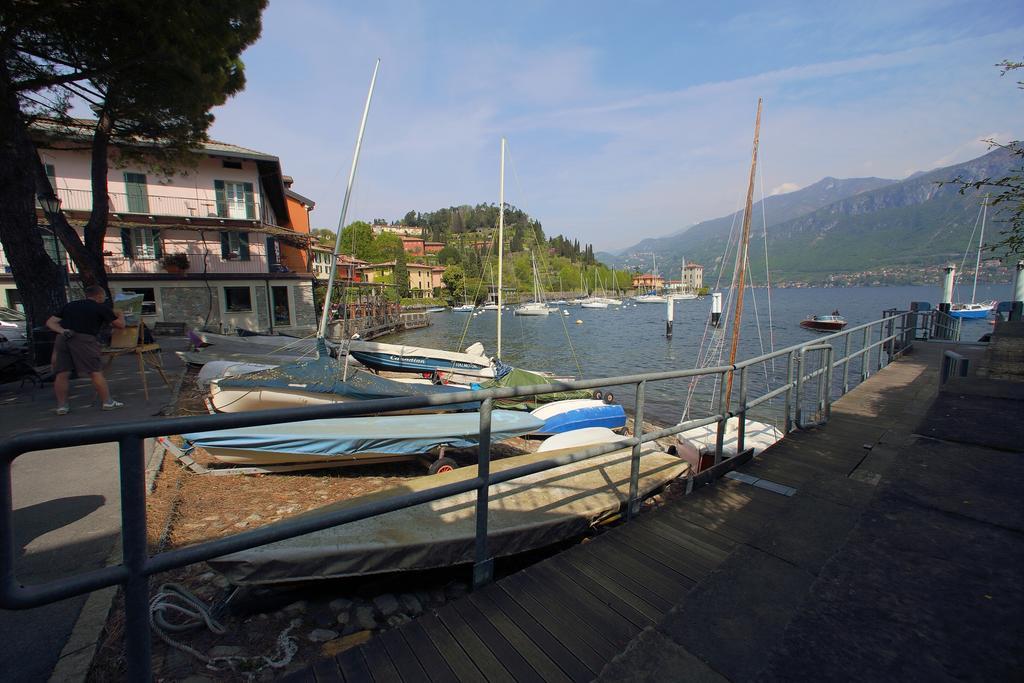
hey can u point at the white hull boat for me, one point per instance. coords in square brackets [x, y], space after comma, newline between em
[650, 299]
[401, 358]
[594, 304]
[533, 309]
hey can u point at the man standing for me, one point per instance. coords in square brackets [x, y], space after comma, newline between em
[77, 347]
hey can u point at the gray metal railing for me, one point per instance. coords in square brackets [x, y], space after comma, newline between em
[895, 331]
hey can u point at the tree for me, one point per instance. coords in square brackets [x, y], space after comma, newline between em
[384, 247]
[151, 72]
[454, 280]
[401, 272]
[357, 240]
[325, 237]
[449, 254]
[1006, 193]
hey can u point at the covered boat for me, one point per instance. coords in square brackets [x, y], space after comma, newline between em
[315, 382]
[525, 513]
[356, 439]
[824, 323]
[402, 358]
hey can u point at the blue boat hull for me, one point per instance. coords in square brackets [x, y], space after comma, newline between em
[612, 416]
[970, 314]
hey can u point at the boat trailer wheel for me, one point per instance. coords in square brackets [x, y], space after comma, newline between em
[609, 398]
[597, 394]
[442, 464]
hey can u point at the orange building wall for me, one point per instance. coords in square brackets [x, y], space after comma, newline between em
[298, 220]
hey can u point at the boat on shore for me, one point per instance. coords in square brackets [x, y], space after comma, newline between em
[401, 358]
[824, 323]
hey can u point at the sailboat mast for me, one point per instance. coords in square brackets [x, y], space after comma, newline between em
[322, 332]
[981, 238]
[501, 236]
[742, 257]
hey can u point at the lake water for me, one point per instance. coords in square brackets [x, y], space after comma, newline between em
[632, 340]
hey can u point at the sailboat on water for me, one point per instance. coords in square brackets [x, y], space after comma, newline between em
[698, 445]
[651, 297]
[975, 309]
[537, 306]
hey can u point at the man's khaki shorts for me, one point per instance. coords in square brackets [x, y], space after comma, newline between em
[81, 353]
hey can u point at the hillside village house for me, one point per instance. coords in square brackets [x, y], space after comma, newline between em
[243, 231]
[424, 281]
[648, 281]
[417, 246]
[693, 279]
[399, 230]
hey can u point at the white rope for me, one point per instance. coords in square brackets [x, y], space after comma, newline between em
[172, 598]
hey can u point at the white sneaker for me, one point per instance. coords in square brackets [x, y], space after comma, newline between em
[63, 410]
[113, 405]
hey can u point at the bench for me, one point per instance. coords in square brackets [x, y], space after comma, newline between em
[168, 329]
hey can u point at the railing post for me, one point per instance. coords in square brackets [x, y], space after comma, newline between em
[723, 410]
[827, 406]
[632, 504]
[134, 553]
[787, 417]
[483, 564]
[799, 388]
[741, 427]
[881, 345]
[846, 364]
[865, 356]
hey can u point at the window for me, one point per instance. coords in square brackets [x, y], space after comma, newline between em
[234, 200]
[142, 244]
[136, 193]
[282, 309]
[148, 299]
[237, 300]
[234, 245]
[233, 164]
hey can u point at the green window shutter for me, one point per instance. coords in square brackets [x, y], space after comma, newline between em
[222, 198]
[158, 248]
[271, 251]
[243, 246]
[225, 246]
[250, 202]
[136, 192]
[126, 242]
[52, 175]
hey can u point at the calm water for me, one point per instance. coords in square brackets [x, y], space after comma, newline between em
[630, 340]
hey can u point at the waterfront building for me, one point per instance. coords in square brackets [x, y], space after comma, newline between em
[424, 280]
[648, 281]
[692, 281]
[400, 230]
[241, 232]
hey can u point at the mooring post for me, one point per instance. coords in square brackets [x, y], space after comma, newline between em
[483, 564]
[1017, 311]
[633, 504]
[741, 427]
[670, 312]
[716, 308]
[723, 410]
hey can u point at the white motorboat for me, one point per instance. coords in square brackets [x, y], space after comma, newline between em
[533, 308]
[650, 299]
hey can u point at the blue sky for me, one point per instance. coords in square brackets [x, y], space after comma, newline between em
[625, 120]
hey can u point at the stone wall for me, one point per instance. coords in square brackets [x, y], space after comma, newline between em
[190, 305]
[305, 313]
[262, 314]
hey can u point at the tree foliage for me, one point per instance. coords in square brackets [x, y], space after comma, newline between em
[325, 237]
[401, 271]
[454, 280]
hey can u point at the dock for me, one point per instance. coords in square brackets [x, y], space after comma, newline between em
[885, 545]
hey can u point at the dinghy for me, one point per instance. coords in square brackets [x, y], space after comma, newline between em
[402, 358]
[356, 439]
[525, 513]
[577, 414]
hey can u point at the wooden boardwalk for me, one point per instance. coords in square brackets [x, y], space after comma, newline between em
[567, 617]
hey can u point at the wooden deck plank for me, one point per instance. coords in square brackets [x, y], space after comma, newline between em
[378, 662]
[661, 580]
[430, 658]
[563, 624]
[482, 657]
[326, 670]
[643, 599]
[613, 625]
[503, 651]
[679, 555]
[718, 543]
[615, 600]
[688, 537]
[301, 676]
[457, 659]
[573, 655]
[402, 656]
[352, 665]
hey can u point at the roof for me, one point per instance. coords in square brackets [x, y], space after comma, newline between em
[371, 266]
[299, 198]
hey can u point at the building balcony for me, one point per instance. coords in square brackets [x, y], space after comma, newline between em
[199, 264]
[199, 207]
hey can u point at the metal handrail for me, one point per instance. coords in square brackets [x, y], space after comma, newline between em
[137, 566]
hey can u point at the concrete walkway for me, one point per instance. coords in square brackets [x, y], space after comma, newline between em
[66, 513]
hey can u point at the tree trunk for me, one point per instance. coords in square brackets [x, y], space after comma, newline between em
[40, 281]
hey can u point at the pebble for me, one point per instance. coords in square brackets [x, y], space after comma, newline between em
[340, 604]
[322, 635]
[386, 604]
[298, 607]
[410, 603]
[364, 618]
[396, 620]
[225, 651]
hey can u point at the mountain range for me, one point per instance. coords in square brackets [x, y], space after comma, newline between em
[836, 228]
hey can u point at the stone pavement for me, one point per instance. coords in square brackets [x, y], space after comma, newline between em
[66, 511]
[908, 567]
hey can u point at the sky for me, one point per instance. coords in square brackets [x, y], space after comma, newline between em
[624, 120]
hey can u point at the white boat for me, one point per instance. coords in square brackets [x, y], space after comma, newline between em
[490, 307]
[684, 297]
[464, 308]
[532, 308]
[403, 358]
[225, 368]
[610, 301]
[594, 304]
[975, 309]
[650, 299]
[437, 309]
[700, 441]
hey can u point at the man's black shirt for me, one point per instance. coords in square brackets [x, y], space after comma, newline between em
[85, 316]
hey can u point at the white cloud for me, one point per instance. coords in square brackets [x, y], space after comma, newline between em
[784, 188]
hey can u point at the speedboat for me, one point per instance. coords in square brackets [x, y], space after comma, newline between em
[464, 308]
[824, 323]
[972, 311]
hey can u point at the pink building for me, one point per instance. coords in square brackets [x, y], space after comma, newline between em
[228, 216]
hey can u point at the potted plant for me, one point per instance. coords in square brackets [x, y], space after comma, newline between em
[175, 263]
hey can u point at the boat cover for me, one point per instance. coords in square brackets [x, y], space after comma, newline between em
[524, 378]
[524, 513]
[395, 435]
[324, 375]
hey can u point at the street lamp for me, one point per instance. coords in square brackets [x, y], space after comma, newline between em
[51, 208]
